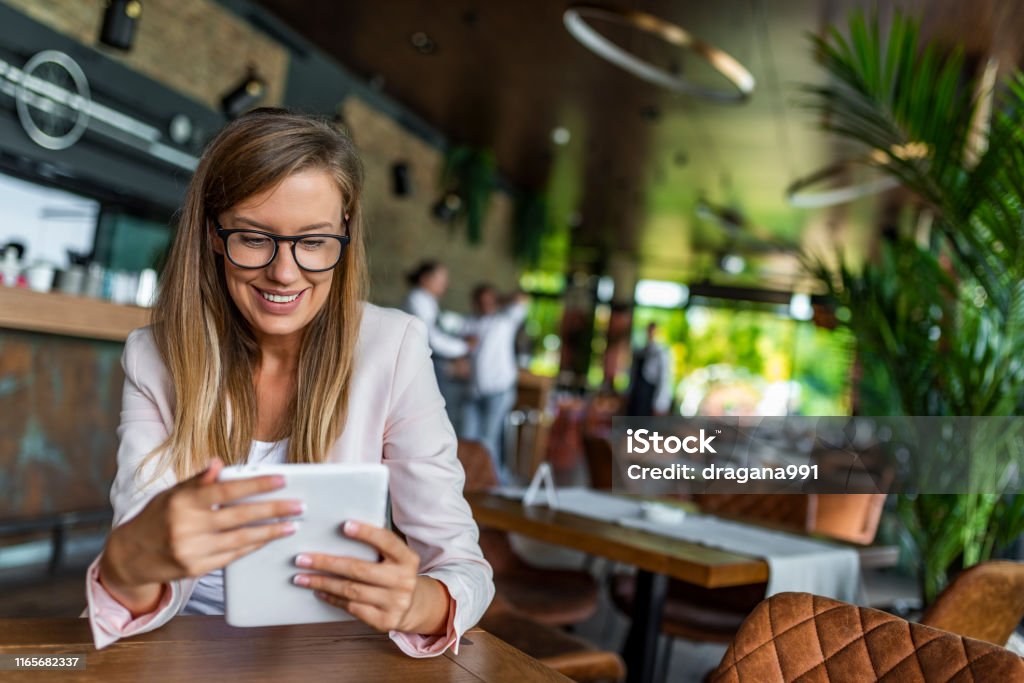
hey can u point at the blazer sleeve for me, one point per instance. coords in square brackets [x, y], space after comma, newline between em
[427, 505]
[143, 427]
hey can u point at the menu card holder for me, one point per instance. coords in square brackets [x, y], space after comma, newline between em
[542, 478]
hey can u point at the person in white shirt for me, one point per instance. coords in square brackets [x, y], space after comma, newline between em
[493, 375]
[650, 386]
[428, 283]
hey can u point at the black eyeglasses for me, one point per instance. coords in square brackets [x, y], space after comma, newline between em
[247, 248]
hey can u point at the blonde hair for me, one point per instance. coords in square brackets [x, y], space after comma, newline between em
[208, 348]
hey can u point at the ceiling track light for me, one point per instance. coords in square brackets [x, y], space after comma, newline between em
[119, 22]
[447, 208]
[575, 20]
[245, 95]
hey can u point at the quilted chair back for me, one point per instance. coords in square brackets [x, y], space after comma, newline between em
[479, 467]
[984, 602]
[792, 510]
[802, 637]
[600, 461]
[481, 476]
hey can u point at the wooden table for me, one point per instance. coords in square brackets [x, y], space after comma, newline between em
[657, 559]
[690, 562]
[195, 649]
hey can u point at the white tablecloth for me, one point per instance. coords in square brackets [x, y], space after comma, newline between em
[795, 563]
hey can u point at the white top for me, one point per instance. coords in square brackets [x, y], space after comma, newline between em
[494, 358]
[208, 596]
[422, 304]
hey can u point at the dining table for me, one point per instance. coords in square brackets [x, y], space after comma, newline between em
[205, 648]
[657, 559]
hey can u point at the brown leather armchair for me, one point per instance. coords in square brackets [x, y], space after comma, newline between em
[529, 600]
[557, 597]
[804, 637]
[598, 453]
[985, 602]
[567, 654]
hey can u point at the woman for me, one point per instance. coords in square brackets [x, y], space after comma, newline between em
[263, 348]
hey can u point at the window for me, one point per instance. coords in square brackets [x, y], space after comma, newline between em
[47, 221]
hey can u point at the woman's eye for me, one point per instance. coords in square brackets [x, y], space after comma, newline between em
[255, 242]
[311, 244]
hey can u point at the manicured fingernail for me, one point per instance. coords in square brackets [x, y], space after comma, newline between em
[350, 527]
[297, 508]
[301, 580]
[303, 561]
[278, 480]
[288, 528]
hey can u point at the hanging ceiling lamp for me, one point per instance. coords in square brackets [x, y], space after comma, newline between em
[575, 20]
[800, 196]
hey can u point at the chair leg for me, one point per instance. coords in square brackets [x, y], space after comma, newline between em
[56, 548]
[606, 573]
[665, 663]
[607, 626]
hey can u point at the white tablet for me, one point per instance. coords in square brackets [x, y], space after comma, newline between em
[258, 588]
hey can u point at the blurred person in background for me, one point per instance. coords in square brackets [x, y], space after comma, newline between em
[428, 282]
[494, 373]
[650, 384]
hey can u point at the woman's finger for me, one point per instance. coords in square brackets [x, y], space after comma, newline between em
[352, 591]
[368, 614]
[384, 574]
[223, 492]
[232, 516]
[221, 560]
[384, 540]
[228, 541]
[210, 474]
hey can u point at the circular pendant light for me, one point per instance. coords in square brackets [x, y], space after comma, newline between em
[576, 22]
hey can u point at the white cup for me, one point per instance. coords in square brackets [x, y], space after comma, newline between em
[40, 276]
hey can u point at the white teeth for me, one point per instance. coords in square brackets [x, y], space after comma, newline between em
[279, 299]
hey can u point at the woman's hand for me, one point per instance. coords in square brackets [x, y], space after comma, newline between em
[388, 595]
[185, 532]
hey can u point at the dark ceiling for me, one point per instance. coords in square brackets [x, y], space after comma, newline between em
[504, 74]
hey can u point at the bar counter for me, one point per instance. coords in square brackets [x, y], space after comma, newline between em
[64, 314]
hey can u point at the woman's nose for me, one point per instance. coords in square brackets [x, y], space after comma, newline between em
[284, 268]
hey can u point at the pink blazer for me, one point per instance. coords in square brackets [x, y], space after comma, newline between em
[396, 416]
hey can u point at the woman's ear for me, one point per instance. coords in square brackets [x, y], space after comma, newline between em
[215, 242]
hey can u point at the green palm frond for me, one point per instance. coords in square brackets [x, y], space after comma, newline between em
[898, 97]
[942, 327]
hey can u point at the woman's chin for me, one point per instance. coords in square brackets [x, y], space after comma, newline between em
[265, 325]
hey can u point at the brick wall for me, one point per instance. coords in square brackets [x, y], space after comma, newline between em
[192, 46]
[201, 50]
[402, 231]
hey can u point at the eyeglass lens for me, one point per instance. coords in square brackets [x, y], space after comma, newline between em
[253, 250]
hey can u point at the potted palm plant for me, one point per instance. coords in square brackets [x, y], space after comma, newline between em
[940, 327]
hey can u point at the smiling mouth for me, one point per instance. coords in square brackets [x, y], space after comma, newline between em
[278, 298]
